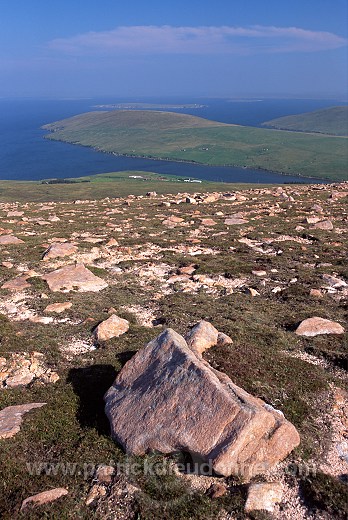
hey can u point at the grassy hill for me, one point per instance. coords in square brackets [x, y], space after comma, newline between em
[333, 121]
[165, 135]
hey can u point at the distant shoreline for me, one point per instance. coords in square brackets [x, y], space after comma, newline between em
[167, 159]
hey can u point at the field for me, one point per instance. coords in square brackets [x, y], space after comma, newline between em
[187, 138]
[254, 281]
[113, 184]
[333, 121]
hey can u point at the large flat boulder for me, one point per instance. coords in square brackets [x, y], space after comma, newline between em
[74, 278]
[168, 399]
[58, 249]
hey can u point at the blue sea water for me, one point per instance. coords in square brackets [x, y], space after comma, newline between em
[26, 155]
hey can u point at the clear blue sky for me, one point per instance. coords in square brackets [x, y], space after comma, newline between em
[71, 48]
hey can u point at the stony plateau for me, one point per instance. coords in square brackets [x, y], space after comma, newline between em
[235, 272]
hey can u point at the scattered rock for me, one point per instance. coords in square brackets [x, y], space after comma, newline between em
[315, 326]
[208, 222]
[58, 307]
[264, 496]
[216, 491]
[316, 293]
[45, 497]
[11, 418]
[324, 224]
[96, 491]
[113, 327]
[259, 273]
[74, 278]
[234, 221]
[204, 336]
[333, 281]
[17, 284]
[21, 377]
[9, 240]
[20, 369]
[104, 474]
[58, 249]
[8, 265]
[167, 399]
[252, 292]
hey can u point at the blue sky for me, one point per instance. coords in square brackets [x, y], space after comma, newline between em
[220, 48]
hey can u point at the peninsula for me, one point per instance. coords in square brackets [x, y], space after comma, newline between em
[182, 137]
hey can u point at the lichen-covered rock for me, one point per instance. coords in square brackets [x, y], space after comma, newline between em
[167, 399]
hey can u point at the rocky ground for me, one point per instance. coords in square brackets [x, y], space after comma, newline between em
[255, 263]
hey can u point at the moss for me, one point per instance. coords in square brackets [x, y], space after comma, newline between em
[326, 493]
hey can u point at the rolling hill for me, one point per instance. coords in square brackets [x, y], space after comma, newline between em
[333, 121]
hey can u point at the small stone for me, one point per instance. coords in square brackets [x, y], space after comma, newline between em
[312, 220]
[11, 418]
[104, 474]
[252, 292]
[259, 273]
[45, 497]
[204, 336]
[315, 326]
[96, 491]
[20, 377]
[8, 265]
[113, 327]
[208, 222]
[264, 496]
[316, 293]
[216, 491]
[112, 242]
[187, 269]
[58, 307]
[235, 221]
[324, 224]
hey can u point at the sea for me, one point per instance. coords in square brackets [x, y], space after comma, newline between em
[26, 155]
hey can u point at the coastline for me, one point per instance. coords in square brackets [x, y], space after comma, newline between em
[167, 159]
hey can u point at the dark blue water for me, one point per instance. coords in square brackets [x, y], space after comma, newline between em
[26, 155]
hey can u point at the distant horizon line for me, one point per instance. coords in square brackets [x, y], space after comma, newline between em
[332, 97]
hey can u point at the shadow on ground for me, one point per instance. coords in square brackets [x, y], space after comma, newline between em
[90, 384]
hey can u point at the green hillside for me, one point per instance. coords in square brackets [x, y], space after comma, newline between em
[333, 121]
[183, 137]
